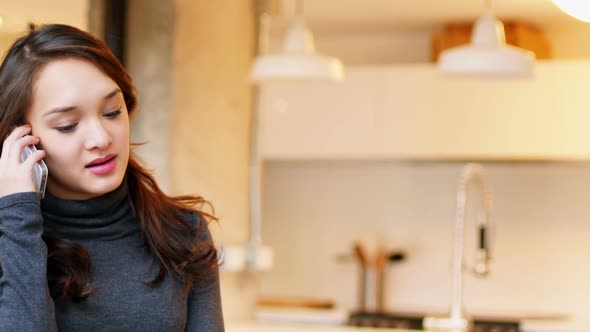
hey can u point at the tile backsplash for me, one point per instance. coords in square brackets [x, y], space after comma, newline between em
[313, 211]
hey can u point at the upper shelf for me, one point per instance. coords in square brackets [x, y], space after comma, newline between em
[412, 112]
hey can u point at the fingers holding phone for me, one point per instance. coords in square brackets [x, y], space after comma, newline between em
[21, 166]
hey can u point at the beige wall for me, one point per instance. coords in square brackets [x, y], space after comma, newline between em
[213, 49]
[313, 212]
[16, 16]
[7, 39]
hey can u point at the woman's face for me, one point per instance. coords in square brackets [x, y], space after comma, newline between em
[80, 117]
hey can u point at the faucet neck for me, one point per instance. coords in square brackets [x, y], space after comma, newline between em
[472, 173]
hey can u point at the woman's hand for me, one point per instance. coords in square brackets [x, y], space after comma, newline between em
[15, 176]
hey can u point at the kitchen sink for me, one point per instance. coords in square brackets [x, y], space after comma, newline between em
[414, 322]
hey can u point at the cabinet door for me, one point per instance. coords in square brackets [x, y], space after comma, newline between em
[430, 116]
[322, 120]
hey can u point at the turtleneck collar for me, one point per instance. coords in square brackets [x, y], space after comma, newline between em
[107, 217]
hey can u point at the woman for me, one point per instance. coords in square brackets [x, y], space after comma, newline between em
[105, 249]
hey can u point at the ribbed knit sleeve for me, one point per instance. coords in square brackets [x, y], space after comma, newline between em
[204, 301]
[25, 301]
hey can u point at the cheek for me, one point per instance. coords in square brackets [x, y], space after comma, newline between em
[122, 134]
[60, 154]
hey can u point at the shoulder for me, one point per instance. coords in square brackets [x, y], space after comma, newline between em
[199, 223]
[193, 218]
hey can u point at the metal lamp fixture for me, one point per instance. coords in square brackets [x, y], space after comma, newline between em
[579, 9]
[298, 59]
[488, 55]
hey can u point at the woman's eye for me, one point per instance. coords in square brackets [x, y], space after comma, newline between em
[66, 129]
[113, 114]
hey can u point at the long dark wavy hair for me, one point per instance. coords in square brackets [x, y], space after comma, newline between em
[169, 236]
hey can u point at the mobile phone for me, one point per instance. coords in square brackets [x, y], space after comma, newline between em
[40, 171]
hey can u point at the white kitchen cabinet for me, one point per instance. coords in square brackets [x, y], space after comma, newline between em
[414, 112]
[429, 116]
[322, 120]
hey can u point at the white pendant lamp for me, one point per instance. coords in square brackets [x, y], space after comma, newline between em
[579, 9]
[298, 59]
[488, 55]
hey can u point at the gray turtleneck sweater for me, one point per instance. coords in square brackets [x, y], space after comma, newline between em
[120, 264]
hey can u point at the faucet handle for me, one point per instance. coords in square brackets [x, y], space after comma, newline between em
[396, 256]
[482, 266]
[483, 257]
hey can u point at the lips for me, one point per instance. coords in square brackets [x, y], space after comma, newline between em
[100, 161]
[103, 166]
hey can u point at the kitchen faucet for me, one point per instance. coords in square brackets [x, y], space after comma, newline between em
[471, 174]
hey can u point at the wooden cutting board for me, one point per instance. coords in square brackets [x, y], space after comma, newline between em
[293, 302]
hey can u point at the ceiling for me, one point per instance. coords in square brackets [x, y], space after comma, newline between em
[394, 15]
[327, 15]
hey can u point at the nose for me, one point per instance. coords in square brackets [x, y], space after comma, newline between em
[98, 137]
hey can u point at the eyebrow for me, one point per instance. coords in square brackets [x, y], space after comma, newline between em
[71, 108]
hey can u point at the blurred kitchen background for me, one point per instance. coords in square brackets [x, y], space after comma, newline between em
[374, 159]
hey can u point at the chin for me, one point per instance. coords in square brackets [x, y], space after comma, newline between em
[104, 186]
[92, 188]
[84, 185]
